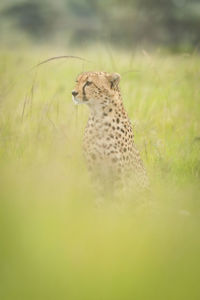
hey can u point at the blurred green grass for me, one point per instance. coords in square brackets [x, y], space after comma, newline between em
[55, 242]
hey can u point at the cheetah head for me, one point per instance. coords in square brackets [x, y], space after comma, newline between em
[95, 88]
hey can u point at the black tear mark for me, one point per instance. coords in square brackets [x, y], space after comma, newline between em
[84, 93]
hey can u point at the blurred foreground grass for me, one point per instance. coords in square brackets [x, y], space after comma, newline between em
[55, 242]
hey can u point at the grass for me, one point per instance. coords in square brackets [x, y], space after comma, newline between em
[55, 243]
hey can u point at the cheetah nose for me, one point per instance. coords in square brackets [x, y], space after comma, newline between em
[74, 93]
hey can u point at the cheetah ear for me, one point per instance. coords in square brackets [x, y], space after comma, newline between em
[114, 79]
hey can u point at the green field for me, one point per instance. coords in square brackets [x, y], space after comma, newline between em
[55, 242]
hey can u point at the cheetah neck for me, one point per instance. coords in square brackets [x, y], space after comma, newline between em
[108, 107]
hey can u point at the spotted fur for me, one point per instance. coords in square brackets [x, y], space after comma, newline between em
[108, 139]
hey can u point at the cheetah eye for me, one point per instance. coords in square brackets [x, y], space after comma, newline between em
[88, 82]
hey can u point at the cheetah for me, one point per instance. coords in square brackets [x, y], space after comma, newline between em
[108, 141]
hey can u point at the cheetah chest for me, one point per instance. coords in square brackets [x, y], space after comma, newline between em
[108, 141]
